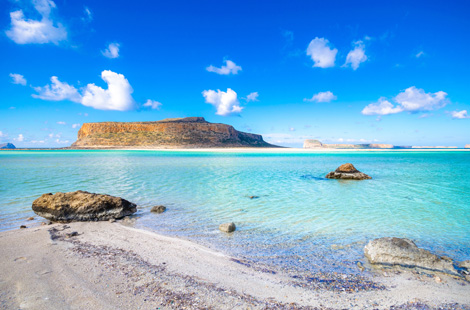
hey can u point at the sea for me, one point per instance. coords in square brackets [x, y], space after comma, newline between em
[286, 212]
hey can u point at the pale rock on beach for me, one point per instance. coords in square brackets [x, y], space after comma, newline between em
[227, 227]
[82, 206]
[404, 252]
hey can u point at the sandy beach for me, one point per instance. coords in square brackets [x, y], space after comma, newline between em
[103, 265]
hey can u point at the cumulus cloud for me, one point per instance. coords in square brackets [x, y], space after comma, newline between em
[411, 100]
[226, 103]
[229, 68]
[20, 138]
[154, 105]
[18, 79]
[321, 53]
[75, 126]
[118, 95]
[57, 91]
[62, 123]
[252, 97]
[326, 96]
[381, 107]
[356, 56]
[112, 51]
[26, 31]
[459, 114]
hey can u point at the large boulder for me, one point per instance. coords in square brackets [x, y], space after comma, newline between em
[82, 206]
[347, 172]
[405, 253]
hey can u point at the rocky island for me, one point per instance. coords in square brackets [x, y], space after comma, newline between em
[189, 132]
[7, 146]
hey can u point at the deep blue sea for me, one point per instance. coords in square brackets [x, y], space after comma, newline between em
[300, 219]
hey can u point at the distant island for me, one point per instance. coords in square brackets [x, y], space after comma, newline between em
[315, 144]
[7, 146]
[189, 132]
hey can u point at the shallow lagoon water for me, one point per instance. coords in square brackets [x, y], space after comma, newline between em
[300, 219]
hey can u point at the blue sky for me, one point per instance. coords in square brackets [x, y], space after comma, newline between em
[338, 71]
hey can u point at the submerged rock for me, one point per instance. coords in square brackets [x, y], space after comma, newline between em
[82, 206]
[158, 209]
[347, 172]
[465, 264]
[227, 227]
[405, 253]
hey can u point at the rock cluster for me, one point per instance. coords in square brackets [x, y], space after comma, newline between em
[347, 172]
[404, 253]
[82, 206]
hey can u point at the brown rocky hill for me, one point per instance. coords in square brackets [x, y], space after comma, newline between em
[190, 132]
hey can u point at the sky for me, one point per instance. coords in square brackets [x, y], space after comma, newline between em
[338, 71]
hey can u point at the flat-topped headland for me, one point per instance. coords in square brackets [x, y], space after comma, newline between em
[316, 144]
[189, 132]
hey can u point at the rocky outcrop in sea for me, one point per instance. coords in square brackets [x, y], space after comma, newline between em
[82, 206]
[347, 172]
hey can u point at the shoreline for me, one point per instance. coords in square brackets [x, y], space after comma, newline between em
[280, 150]
[109, 265]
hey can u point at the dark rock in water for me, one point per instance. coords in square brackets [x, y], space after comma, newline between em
[30, 218]
[347, 172]
[253, 197]
[405, 253]
[227, 227]
[82, 206]
[158, 209]
[7, 146]
[23, 226]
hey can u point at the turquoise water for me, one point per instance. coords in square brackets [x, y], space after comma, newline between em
[299, 219]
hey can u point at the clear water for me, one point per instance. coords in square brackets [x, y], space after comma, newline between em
[300, 219]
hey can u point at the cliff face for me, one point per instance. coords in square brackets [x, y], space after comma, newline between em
[171, 133]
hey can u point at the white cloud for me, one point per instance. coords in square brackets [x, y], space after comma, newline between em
[88, 15]
[18, 79]
[36, 141]
[62, 123]
[459, 114]
[416, 100]
[57, 91]
[20, 138]
[2, 135]
[229, 68]
[225, 102]
[356, 56]
[75, 126]
[112, 51]
[25, 31]
[116, 97]
[381, 107]
[421, 53]
[321, 53]
[291, 129]
[58, 141]
[252, 97]
[154, 105]
[411, 100]
[326, 96]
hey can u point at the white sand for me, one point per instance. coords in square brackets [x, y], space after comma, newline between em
[111, 266]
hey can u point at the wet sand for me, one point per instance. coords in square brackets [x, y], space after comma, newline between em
[111, 266]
